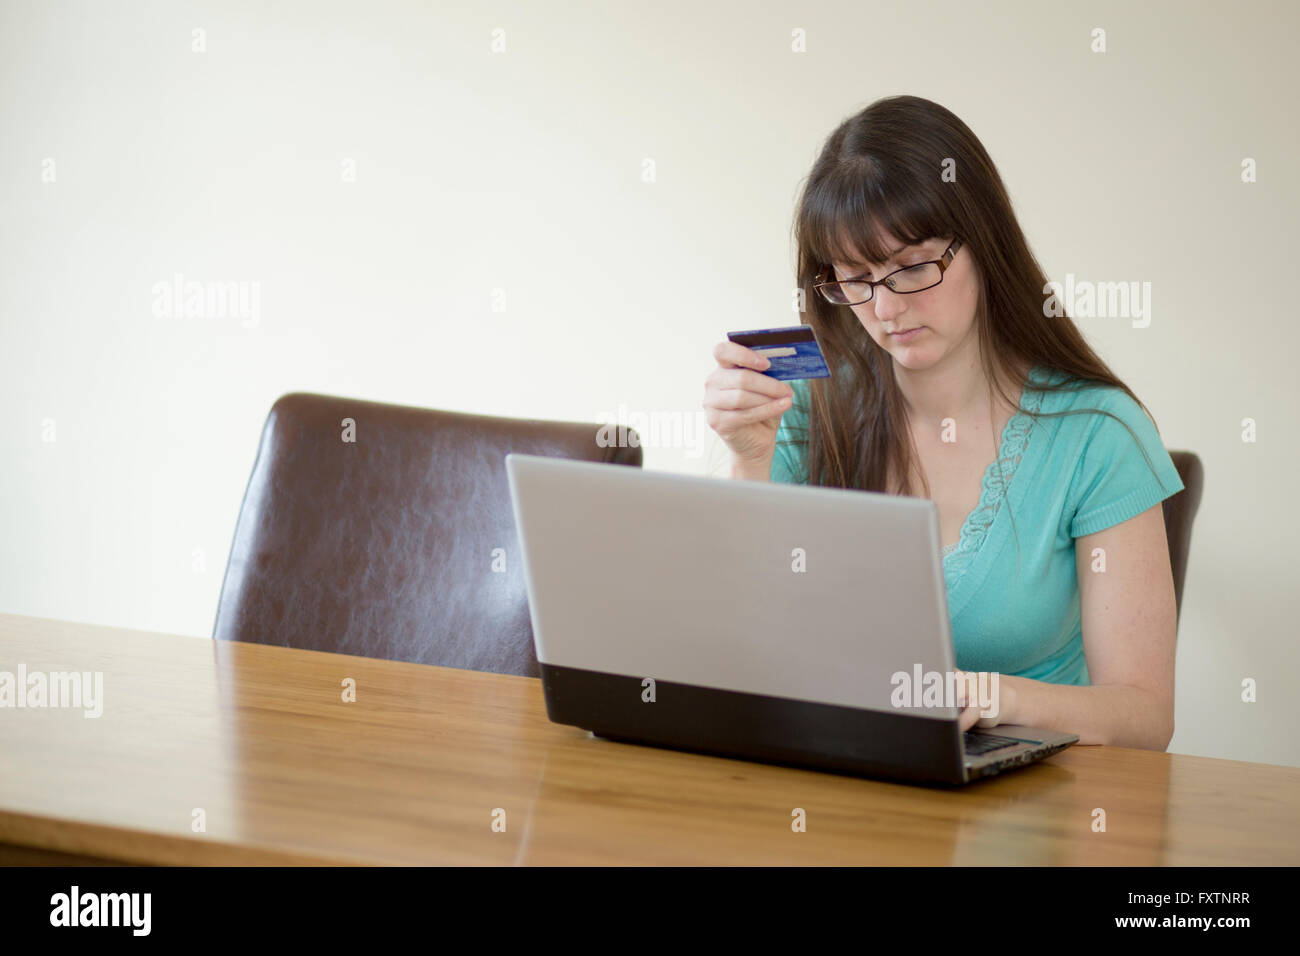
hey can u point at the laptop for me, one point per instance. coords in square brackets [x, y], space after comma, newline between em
[781, 623]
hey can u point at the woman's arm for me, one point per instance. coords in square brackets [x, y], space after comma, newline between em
[1129, 628]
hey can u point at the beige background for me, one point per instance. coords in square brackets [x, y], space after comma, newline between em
[523, 171]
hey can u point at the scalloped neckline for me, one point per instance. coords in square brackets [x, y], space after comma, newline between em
[997, 478]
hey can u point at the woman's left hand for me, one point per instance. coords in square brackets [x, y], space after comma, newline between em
[1001, 700]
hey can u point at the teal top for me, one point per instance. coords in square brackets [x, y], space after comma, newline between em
[1015, 610]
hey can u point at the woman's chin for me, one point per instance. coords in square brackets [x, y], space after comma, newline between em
[911, 356]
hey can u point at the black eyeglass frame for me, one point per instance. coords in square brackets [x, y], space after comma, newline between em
[942, 262]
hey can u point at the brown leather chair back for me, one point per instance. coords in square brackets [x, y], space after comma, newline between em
[1180, 511]
[387, 545]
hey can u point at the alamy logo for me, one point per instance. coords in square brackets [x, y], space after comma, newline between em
[925, 689]
[652, 429]
[1099, 300]
[76, 689]
[102, 909]
[179, 299]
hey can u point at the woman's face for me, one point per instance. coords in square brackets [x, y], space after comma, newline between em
[937, 321]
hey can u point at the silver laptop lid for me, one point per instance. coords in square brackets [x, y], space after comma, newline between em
[791, 591]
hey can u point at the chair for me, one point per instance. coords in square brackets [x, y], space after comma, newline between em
[400, 544]
[1180, 511]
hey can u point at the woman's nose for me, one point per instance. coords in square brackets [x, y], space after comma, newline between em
[888, 304]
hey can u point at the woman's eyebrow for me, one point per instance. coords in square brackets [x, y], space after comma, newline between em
[892, 256]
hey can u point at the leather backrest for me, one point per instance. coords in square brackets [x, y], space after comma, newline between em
[387, 545]
[1180, 511]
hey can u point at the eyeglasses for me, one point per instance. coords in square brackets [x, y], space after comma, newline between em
[905, 281]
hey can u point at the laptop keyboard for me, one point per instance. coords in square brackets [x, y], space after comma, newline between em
[982, 743]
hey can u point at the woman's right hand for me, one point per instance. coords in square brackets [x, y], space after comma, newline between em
[743, 406]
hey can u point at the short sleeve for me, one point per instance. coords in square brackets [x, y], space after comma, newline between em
[1114, 481]
[790, 459]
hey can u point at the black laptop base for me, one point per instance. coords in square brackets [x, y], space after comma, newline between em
[825, 737]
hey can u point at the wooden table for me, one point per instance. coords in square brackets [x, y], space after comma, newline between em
[285, 772]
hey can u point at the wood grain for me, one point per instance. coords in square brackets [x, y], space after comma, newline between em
[259, 738]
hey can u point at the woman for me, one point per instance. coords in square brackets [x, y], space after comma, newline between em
[953, 379]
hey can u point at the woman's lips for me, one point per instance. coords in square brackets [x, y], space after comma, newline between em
[909, 334]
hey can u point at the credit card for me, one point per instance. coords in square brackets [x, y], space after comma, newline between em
[793, 351]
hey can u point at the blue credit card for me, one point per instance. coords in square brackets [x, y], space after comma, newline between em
[793, 351]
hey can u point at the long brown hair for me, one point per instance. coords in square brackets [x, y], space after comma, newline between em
[881, 171]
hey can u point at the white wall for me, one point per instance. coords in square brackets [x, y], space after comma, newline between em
[522, 171]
